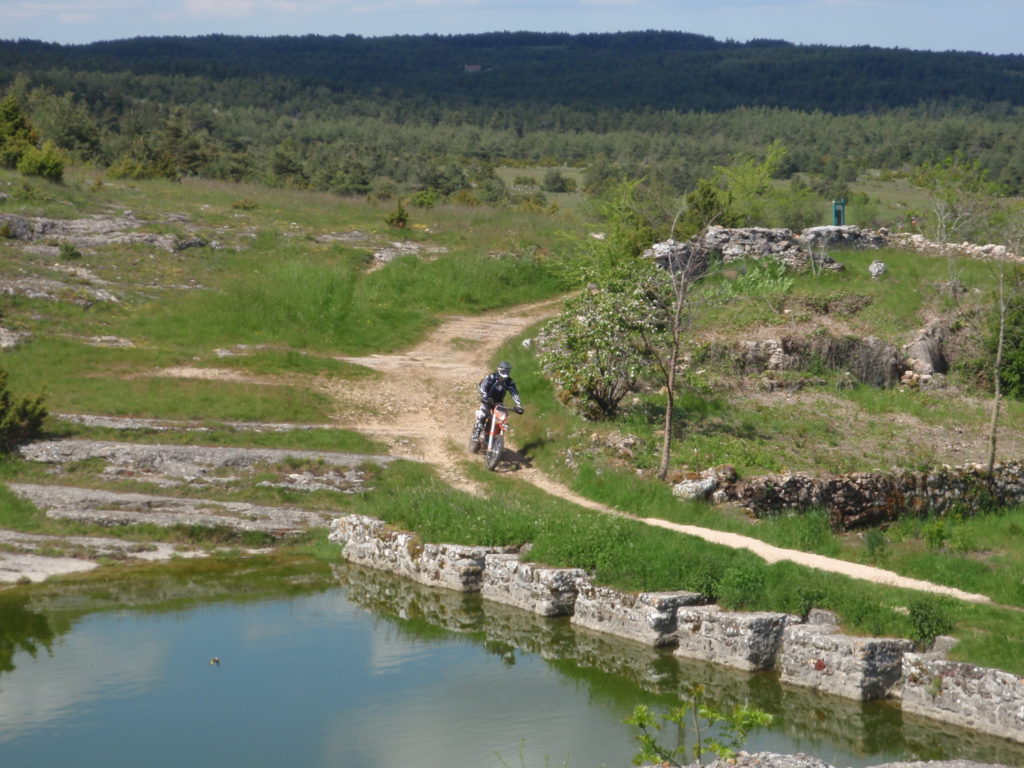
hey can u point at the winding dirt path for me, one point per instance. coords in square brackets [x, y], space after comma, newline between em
[446, 366]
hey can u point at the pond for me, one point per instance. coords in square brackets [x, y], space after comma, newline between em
[340, 666]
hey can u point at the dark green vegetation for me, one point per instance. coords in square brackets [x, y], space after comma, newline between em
[403, 115]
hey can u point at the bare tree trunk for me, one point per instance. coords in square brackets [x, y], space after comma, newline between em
[997, 373]
[666, 443]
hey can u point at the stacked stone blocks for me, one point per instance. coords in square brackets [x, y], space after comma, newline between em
[811, 653]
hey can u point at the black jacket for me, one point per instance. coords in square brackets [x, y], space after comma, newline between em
[494, 387]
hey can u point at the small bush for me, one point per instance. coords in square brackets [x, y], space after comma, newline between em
[425, 198]
[46, 162]
[556, 181]
[929, 618]
[20, 420]
[244, 204]
[68, 251]
[398, 218]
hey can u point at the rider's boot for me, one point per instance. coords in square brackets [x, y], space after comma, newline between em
[474, 440]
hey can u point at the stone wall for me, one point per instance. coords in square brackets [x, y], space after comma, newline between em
[862, 499]
[816, 655]
[648, 617]
[966, 695]
[371, 542]
[532, 587]
[747, 641]
[813, 654]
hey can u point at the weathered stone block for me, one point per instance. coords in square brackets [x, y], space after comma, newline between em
[373, 543]
[748, 641]
[981, 698]
[537, 588]
[647, 617]
[818, 656]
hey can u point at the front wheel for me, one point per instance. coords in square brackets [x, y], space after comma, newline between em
[494, 452]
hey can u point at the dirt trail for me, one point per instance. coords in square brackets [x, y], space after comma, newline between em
[423, 405]
[446, 366]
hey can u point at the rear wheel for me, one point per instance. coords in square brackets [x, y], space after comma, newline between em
[495, 451]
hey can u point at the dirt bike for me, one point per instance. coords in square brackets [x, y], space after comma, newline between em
[492, 436]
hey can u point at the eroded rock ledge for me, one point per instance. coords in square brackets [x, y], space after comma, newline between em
[812, 653]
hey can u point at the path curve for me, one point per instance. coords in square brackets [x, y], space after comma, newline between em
[447, 365]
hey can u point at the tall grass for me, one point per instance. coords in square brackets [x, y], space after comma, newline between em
[281, 293]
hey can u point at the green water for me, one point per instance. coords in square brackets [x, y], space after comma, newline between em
[347, 667]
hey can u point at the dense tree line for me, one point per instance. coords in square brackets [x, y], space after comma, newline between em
[402, 114]
[590, 72]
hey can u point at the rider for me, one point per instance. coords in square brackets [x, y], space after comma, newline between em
[492, 390]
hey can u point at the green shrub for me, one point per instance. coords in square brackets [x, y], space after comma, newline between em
[929, 618]
[398, 218]
[46, 162]
[1011, 374]
[20, 419]
[556, 181]
[68, 251]
[425, 198]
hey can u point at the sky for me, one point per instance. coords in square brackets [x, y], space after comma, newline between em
[990, 26]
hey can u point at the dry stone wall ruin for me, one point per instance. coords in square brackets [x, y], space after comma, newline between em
[812, 654]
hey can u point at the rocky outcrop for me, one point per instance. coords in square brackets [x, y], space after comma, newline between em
[805, 250]
[196, 465]
[925, 353]
[92, 231]
[869, 360]
[862, 499]
[730, 245]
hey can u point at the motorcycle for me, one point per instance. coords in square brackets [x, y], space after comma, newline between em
[492, 436]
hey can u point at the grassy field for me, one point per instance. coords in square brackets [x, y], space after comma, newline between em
[289, 281]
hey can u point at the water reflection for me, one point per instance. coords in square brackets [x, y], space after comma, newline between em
[838, 730]
[380, 671]
[21, 629]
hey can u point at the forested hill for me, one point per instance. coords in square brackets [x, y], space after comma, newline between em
[631, 71]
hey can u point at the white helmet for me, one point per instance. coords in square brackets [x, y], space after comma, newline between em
[504, 369]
